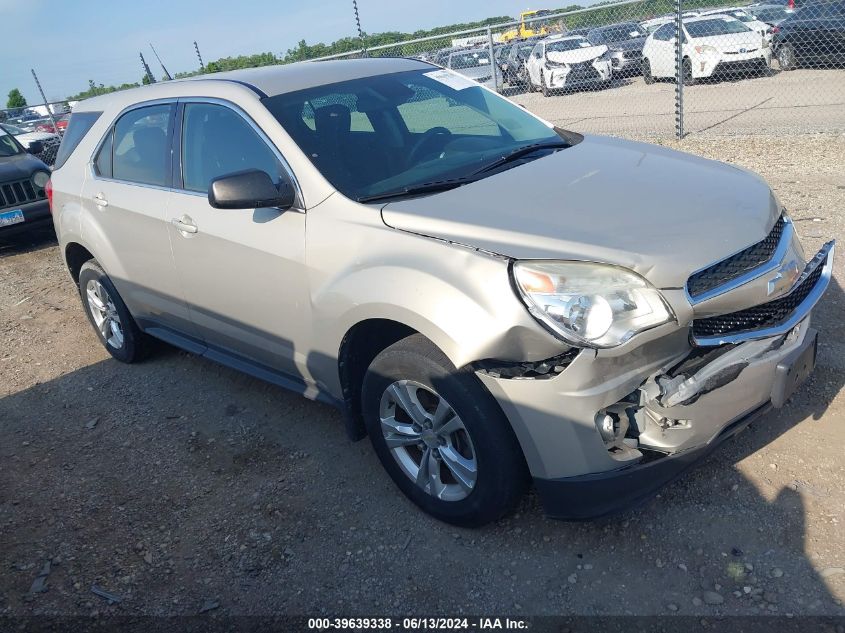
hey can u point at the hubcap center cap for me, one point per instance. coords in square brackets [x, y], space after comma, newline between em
[430, 438]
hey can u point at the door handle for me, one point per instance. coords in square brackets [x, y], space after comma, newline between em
[184, 225]
[100, 201]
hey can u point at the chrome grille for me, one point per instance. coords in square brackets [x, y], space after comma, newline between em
[19, 192]
[761, 316]
[736, 265]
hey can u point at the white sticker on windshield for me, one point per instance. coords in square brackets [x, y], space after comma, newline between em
[633, 33]
[451, 79]
[584, 44]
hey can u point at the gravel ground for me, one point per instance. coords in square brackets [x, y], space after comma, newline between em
[183, 487]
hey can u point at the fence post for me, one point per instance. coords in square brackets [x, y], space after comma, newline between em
[492, 59]
[46, 105]
[679, 71]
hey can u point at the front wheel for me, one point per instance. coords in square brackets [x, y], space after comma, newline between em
[545, 88]
[689, 80]
[786, 57]
[110, 317]
[441, 436]
[647, 76]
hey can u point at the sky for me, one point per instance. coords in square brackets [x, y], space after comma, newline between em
[70, 42]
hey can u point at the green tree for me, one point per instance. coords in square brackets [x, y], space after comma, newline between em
[16, 99]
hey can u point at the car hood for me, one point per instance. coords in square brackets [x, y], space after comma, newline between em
[661, 213]
[736, 41]
[476, 73]
[19, 166]
[577, 55]
[633, 44]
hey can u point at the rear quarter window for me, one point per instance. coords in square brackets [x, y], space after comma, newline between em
[78, 126]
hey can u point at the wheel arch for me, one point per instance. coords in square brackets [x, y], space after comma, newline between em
[76, 255]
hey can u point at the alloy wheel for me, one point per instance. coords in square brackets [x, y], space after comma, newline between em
[104, 313]
[428, 440]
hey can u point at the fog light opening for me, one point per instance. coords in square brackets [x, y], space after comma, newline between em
[612, 427]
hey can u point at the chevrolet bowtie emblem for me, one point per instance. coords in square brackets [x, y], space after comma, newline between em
[784, 278]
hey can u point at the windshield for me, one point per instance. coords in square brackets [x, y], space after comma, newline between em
[621, 32]
[771, 14]
[741, 15]
[567, 45]
[8, 145]
[470, 59]
[716, 26]
[378, 134]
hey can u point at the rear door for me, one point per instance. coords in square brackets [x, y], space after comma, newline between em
[127, 194]
[242, 270]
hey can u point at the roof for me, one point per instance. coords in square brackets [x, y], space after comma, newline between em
[268, 80]
[710, 16]
[273, 80]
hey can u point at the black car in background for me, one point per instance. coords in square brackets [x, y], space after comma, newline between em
[625, 42]
[23, 178]
[513, 62]
[813, 35]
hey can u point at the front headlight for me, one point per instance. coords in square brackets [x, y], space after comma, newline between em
[706, 49]
[40, 178]
[588, 304]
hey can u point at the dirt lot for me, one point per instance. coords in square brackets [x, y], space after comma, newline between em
[181, 486]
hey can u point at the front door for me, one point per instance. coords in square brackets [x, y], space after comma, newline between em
[242, 270]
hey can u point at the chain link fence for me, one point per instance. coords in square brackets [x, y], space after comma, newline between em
[38, 127]
[656, 68]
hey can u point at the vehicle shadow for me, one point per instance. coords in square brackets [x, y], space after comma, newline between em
[33, 239]
[139, 478]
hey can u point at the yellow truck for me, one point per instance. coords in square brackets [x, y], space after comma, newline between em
[530, 29]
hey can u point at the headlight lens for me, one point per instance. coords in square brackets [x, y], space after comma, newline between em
[588, 304]
[706, 49]
[40, 178]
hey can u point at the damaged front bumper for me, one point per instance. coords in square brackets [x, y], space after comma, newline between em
[602, 430]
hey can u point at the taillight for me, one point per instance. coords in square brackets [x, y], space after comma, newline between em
[48, 189]
[774, 29]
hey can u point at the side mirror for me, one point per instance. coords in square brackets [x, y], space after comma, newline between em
[250, 189]
[35, 147]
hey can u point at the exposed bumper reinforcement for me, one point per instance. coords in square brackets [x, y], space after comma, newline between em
[598, 494]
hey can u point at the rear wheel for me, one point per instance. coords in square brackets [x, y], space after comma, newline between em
[647, 76]
[786, 57]
[440, 435]
[110, 317]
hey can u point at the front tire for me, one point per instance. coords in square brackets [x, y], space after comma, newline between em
[441, 436]
[686, 69]
[109, 316]
[543, 86]
[647, 76]
[786, 57]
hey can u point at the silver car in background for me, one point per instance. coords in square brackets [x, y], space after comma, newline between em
[475, 289]
[475, 64]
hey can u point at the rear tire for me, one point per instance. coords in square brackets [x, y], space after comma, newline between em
[786, 57]
[110, 317]
[647, 76]
[452, 451]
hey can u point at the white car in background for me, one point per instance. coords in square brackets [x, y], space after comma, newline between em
[744, 16]
[712, 44]
[565, 61]
[49, 141]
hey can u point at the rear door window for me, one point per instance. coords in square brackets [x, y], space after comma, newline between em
[141, 145]
[78, 126]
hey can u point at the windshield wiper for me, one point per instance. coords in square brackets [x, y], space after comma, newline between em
[519, 153]
[410, 190]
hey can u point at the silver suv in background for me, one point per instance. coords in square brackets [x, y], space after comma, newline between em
[474, 288]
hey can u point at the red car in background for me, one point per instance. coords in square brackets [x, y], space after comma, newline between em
[47, 126]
